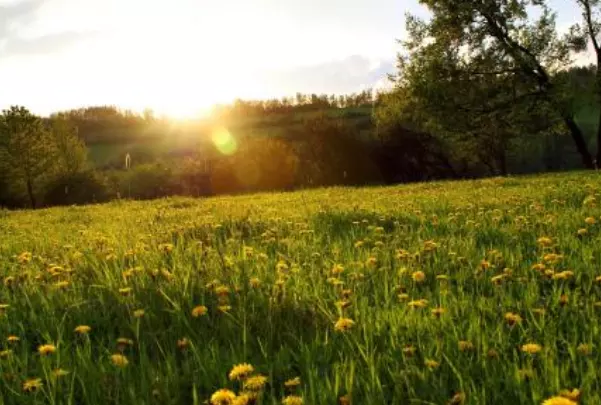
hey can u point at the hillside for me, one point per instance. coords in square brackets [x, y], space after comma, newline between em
[483, 291]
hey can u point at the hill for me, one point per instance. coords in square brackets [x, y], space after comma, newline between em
[487, 291]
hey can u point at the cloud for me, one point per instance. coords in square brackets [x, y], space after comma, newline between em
[20, 15]
[351, 74]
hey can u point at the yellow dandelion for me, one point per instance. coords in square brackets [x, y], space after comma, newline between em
[438, 312]
[409, 351]
[531, 348]
[564, 300]
[582, 231]
[183, 343]
[458, 399]
[337, 269]
[222, 290]
[223, 397]
[46, 349]
[59, 372]
[125, 291]
[32, 385]
[371, 261]
[344, 324]
[465, 345]
[344, 400]
[590, 221]
[292, 400]
[421, 303]
[254, 282]
[224, 308]
[255, 383]
[119, 360]
[245, 398]
[199, 310]
[545, 241]
[418, 276]
[139, 313]
[512, 318]
[598, 279]
[431, 364]
[82, 329]
[13, 339]
[241, 371]
[403, 297]
[492, 354]
[585, 349]
[559, 401]
[5, 353]
[293, 382]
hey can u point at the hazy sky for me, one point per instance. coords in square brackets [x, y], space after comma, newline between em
[177, 56]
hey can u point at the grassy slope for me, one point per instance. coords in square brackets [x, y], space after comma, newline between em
[285, 326]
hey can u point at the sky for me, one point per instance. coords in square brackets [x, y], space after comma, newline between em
[179, 57]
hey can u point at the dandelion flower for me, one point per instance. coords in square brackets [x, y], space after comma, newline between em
[32, 385]
[13, 339]
[418, 276]
[183, 343]
[83, 329]
[422, 303]
[431, 364]
[585, 349]
[119, 360]
[545, 241]
[46, 349]
[409, 351]
[254, 282]
[292, 400]
[223, 397]
[241, 371]
[344, 400]
[512, 318]
[531, 348]
[5, 353]
[559, 401]
[590, 221]
[125, 291]
[465, 345]
[224, 308]
[582, 231]
[438, 312]
[344, 324]
[59, 372]
[293, 382]
[255, 383]
[139, 313]
[199, 310]
[457, 399]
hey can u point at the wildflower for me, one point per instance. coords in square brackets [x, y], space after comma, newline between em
[222, 290]
[559, 401]
[344, 400]
[492, 354]
[585, 349]
[254, 282]
[531, 348]
[183, 343]
[223, 397]
[590, 221]
[582, 231]
[431, 364]
[224, 308]
[255, 383]
[125, 291]
[13, 339]
[359, 244]
[496, 280]
[32, 385]
[564, 275]
[438, 312]
[409, 351]
[344, 324]
[292, 400]
[82, 329]
[343, 304]
[598, 279]
[199, 310]
[563, 300]
[139, 313]
[418, 276]
[119, 360]
[245, 398]
[5, 353]
[59, 372]
[46, 349]
[545, 241]
[241, 371]
[539, 267]
[484, 264]
[122, 343]
[422, 303]
[337, 269]
[465, 345]
[512, 318]
[166, 247]
[371, 261]
[403, 297]
[293, 382]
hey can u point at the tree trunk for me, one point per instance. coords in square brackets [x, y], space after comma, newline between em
[598, 160]
[578, 137]
[30, 193]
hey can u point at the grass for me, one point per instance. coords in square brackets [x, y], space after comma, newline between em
[277, 272]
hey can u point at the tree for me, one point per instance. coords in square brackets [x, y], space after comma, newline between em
[581, 34]
[71, 152]
[27, 152]
[481, 67]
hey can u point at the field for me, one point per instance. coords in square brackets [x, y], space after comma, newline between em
[475, 292]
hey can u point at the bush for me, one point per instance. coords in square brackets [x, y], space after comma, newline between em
[77, 188]
[147, 181]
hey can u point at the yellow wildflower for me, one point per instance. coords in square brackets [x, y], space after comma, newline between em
[512, 318]
[241, 371]
[573, 395]
[431, 364]
[559, 401]
[32, 385]
[139, 313]
[344, 324]
[418, 276]
[46, 349]
[82, 329]
[223, 397]
[465, 345]
[255, 383]
[199, 310]
[531, 348]
[292, 400]
[293, 382]
[119, 360]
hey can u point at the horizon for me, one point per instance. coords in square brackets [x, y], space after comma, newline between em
[183, 57]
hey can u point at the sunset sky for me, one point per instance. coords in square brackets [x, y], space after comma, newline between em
[181, 56]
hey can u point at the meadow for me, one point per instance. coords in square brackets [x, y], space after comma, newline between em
[474, 292]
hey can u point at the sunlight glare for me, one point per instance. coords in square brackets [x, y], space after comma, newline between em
[224, 141]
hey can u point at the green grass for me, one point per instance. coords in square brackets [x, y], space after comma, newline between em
[174, 254]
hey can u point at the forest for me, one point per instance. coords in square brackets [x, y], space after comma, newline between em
[481, 89]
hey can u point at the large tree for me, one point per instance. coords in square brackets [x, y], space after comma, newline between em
[27, 150]
[482, 72]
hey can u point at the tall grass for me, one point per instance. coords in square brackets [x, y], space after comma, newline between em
[277, 273]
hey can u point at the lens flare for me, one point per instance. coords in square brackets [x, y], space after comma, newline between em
[224, 141]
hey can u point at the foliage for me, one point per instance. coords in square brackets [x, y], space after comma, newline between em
[77, 188]
[325, 285]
